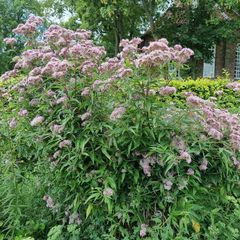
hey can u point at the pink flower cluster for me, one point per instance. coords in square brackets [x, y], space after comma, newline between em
[65, 38]
[31, 80]
[28, 58]
[12, 123]
[186, 156]
[203, 165]
[86, 116]
[56, 68]
[56, 55]
[129, 47]
[111, 65]
[183, 55]
[86, 92]
[49, 201]
[235, 86]
[74, 219]
[9, 74]
[108, 192]
[57, 129]
[87, 67]
[195, 100]
[86, 50]
[219, 93]
[60, 100]
[37, 121]
[178, 143]
[167, 184]
[148, 92]
[65, 143]
[57, 154]
[58, 36]
[165, 91]
[218, 123]
[159, 53]
[147, 162]
[190, 172]
[36, 71]
[236, 163]
[29, 27]
[104, 85]
[117, 113]
[123, 72]
[34, 102]
[143, 230]
[23, 112]
[10, 41]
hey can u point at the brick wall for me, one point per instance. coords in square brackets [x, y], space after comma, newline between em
[225, 58]
[230, 58]
[220, 58]
[199, 68]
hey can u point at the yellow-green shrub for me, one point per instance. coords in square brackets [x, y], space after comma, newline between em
[206, 88]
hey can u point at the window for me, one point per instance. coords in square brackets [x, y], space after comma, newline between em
[209, 67]
[237, 63]
[173, 71]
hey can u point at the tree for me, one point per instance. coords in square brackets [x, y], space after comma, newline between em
[12, 13]
[199, 26]
[110, 20]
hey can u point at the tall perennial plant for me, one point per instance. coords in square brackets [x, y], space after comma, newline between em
[92, 153]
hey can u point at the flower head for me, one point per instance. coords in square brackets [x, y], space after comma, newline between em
[167, 184]
[86, 116]
[12, 123]
[65, 143]
[57, 129]
[190, 171]
[49, 201]
[117, 113]
[203, 165]
[37, 120]
[186, 156]
[10, 41]
[143, 230]
[23, 112]
[108, 192]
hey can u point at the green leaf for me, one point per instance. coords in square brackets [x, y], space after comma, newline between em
[89, 210]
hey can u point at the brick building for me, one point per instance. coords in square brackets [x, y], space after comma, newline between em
[226, 56]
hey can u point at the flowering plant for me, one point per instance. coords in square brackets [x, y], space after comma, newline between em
[108, 157]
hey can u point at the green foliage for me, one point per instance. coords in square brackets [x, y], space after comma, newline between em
[122, 174]
[103, 156]
[12, 13]
[205, 88]
[110, 20]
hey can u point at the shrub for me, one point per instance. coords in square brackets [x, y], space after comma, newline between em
[90, 150]
[225, 97]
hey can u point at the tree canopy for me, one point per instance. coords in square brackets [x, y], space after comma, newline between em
[200, 25]
[12, 13]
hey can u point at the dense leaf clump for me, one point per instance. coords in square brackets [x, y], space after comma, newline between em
[217, 90]
[91, 149]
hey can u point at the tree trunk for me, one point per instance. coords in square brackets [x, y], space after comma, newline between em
[118, 30]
